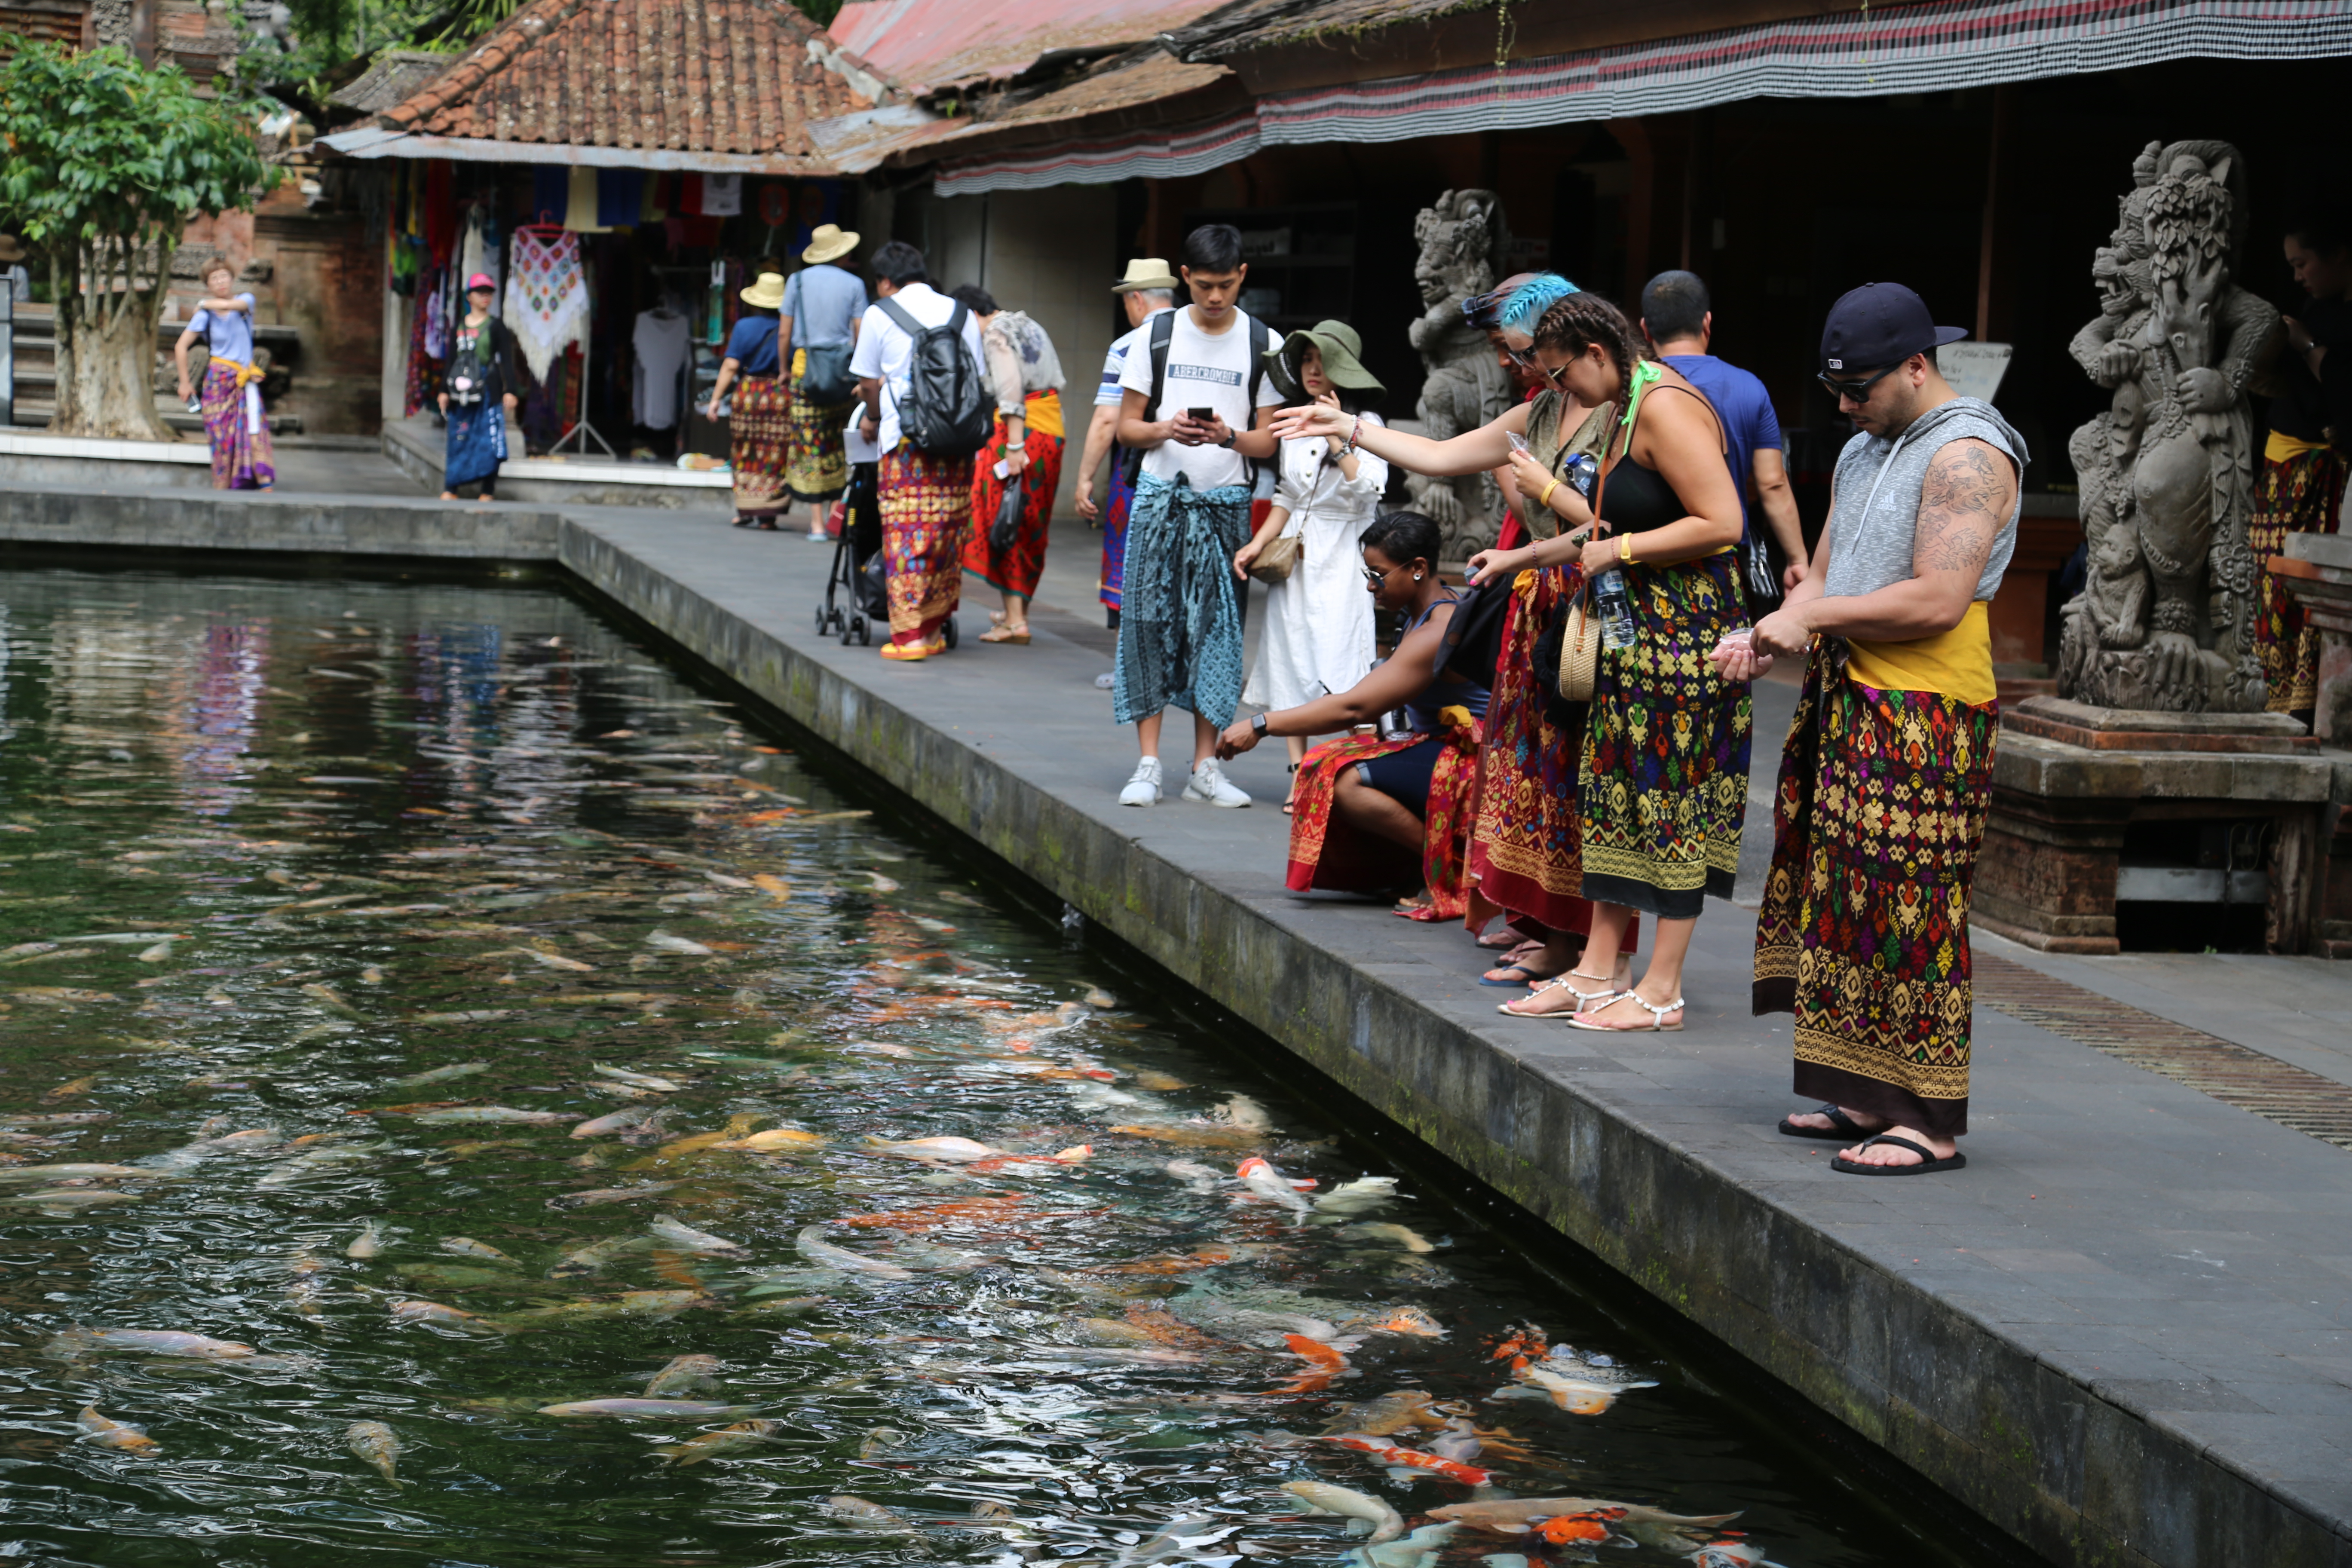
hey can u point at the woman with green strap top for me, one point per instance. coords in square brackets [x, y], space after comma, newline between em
[1662, 782]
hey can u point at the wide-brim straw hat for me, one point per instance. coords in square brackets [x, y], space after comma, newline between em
[1146, 272]
[11, 247]
[767, 293]
[829, 242]
[1341, 347]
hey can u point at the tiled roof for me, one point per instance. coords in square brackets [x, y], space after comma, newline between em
[697, 76]
[390, 77]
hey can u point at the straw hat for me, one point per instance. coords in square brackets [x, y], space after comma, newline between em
[11, 248]
[829, 242]
[1145, 272]
[1338, 343]
[767, 293]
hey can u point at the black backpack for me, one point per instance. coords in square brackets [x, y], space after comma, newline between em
[949, 408]
[1163, 333]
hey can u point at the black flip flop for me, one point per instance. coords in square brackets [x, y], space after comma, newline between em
[1928, 1164]
[1842, 1128]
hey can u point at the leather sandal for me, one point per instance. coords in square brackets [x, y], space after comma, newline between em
[1006, 632]
[1657, 1023]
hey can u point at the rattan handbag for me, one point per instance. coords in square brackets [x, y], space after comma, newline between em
[1579, 650]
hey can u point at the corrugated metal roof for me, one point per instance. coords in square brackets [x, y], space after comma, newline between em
[859, 142]
[931, 45]
[737, 77]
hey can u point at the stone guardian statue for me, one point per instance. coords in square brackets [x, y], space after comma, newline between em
[1463, 242]
[2165, 621]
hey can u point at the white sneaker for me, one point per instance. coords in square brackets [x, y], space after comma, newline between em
[1209, 784]
[1143, 789]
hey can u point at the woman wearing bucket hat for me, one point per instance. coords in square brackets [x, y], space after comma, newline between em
[759, 434]
[477, 394]
[1319, 629]
[818, 331]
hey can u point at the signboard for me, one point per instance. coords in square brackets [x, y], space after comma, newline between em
[1974, 369]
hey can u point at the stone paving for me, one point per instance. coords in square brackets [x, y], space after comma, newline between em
[2122, 1334]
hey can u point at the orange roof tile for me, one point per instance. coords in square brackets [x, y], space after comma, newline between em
[697, 76]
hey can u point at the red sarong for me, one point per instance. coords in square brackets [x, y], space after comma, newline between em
[1326, 853]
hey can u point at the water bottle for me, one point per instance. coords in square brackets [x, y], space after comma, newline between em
[1615, 608]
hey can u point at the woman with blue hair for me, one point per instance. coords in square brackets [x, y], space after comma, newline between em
[1525, 853]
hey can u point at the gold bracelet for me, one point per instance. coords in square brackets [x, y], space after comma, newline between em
[1545, 498]
[1625, 548]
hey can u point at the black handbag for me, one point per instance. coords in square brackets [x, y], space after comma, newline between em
[1472, 640]
[1007, 526]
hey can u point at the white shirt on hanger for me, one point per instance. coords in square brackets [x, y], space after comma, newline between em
[661, 346]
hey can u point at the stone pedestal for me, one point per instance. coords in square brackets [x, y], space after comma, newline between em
[2071, 783]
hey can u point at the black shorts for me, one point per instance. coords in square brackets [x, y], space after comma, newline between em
[1403, 777]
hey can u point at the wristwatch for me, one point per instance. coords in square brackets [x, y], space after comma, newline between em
[1257, 725]
[1230, 436]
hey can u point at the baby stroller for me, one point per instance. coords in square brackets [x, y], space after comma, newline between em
[857, 573]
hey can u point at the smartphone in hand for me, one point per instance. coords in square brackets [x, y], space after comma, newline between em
[1201, 415]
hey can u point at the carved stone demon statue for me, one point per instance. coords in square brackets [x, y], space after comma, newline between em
[1463, 243]
[2166, 618]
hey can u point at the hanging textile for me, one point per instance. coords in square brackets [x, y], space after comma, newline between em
[580, 203]
[424, 378]
[653, 200]
[480, 250]
[436, 307]
[620, 196]
[440, 210]
[722, 196]
[550, 193]
[547, 297]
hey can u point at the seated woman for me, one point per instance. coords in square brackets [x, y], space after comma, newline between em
[1368, 809]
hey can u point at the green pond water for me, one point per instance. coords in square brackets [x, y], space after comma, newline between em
[405, 958]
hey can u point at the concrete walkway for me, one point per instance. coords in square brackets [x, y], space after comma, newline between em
[2123, 1335]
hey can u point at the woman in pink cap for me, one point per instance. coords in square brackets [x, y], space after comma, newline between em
[477, 394]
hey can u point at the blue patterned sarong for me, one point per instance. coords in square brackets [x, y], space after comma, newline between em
[478, 444]
[1180, 619]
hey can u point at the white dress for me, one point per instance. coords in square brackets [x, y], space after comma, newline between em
[1318, 620]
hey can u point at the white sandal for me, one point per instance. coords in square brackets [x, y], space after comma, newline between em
[1657, 1016]
[1557, 982]
[1607, 990]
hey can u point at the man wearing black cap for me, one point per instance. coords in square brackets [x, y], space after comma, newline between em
[1888, 770]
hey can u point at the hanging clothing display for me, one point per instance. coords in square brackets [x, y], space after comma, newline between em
[550, 193]
[440, 210]
[480, 251]
[620, 196]
[547, 296]
[580, 202]
[437, 307]
[655, 387]
[722, 196]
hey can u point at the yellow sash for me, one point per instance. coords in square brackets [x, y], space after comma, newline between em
[1956, 663]
[2284, 448]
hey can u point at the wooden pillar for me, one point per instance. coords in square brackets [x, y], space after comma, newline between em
[1995, 239]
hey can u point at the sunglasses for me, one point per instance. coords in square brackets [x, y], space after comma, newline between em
[1376, 576]
[1526, 360]
[1857, 390]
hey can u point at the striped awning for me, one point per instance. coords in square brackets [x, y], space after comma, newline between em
[1930, 47]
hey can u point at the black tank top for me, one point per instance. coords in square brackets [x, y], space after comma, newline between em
[1638, 499]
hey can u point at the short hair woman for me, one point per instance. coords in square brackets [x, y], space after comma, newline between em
[233, 422]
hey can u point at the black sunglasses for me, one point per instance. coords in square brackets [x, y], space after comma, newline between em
[1857, 390]
[1526, 360]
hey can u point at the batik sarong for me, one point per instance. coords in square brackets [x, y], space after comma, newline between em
[476, 445]
[234, 425]
[1524, 852]
[757, 437]
[1016, 569]
[1327, 853]
[2300, 494]
[1663, 785]
[925, 505]
[1863, 934]
[817, 463]
[1117, 503]
[1179, 623]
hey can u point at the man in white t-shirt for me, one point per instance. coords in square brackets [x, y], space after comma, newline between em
[924, 501]
[1147, 288]
[1180, 624]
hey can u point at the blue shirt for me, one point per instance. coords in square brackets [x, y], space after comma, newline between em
[227, 333]
[821, 302]
[1748, 422]
[753, 345]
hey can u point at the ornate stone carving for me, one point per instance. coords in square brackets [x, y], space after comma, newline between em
[1463, 240]
[2166, 618]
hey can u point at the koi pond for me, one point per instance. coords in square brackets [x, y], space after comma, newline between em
[469, 1096]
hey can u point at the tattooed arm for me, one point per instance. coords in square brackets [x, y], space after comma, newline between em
[1970, 490]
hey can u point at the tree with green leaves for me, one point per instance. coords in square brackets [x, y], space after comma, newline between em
[103, 162]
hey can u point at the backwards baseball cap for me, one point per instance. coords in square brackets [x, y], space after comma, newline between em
[1880, 324]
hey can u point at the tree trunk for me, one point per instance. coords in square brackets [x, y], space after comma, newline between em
[109, 298]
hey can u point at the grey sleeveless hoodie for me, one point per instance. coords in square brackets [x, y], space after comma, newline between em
[1875, 518]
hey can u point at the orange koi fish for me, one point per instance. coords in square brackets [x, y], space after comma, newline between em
[1564, 1528]
[1413, 1458]
[995, 1208]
